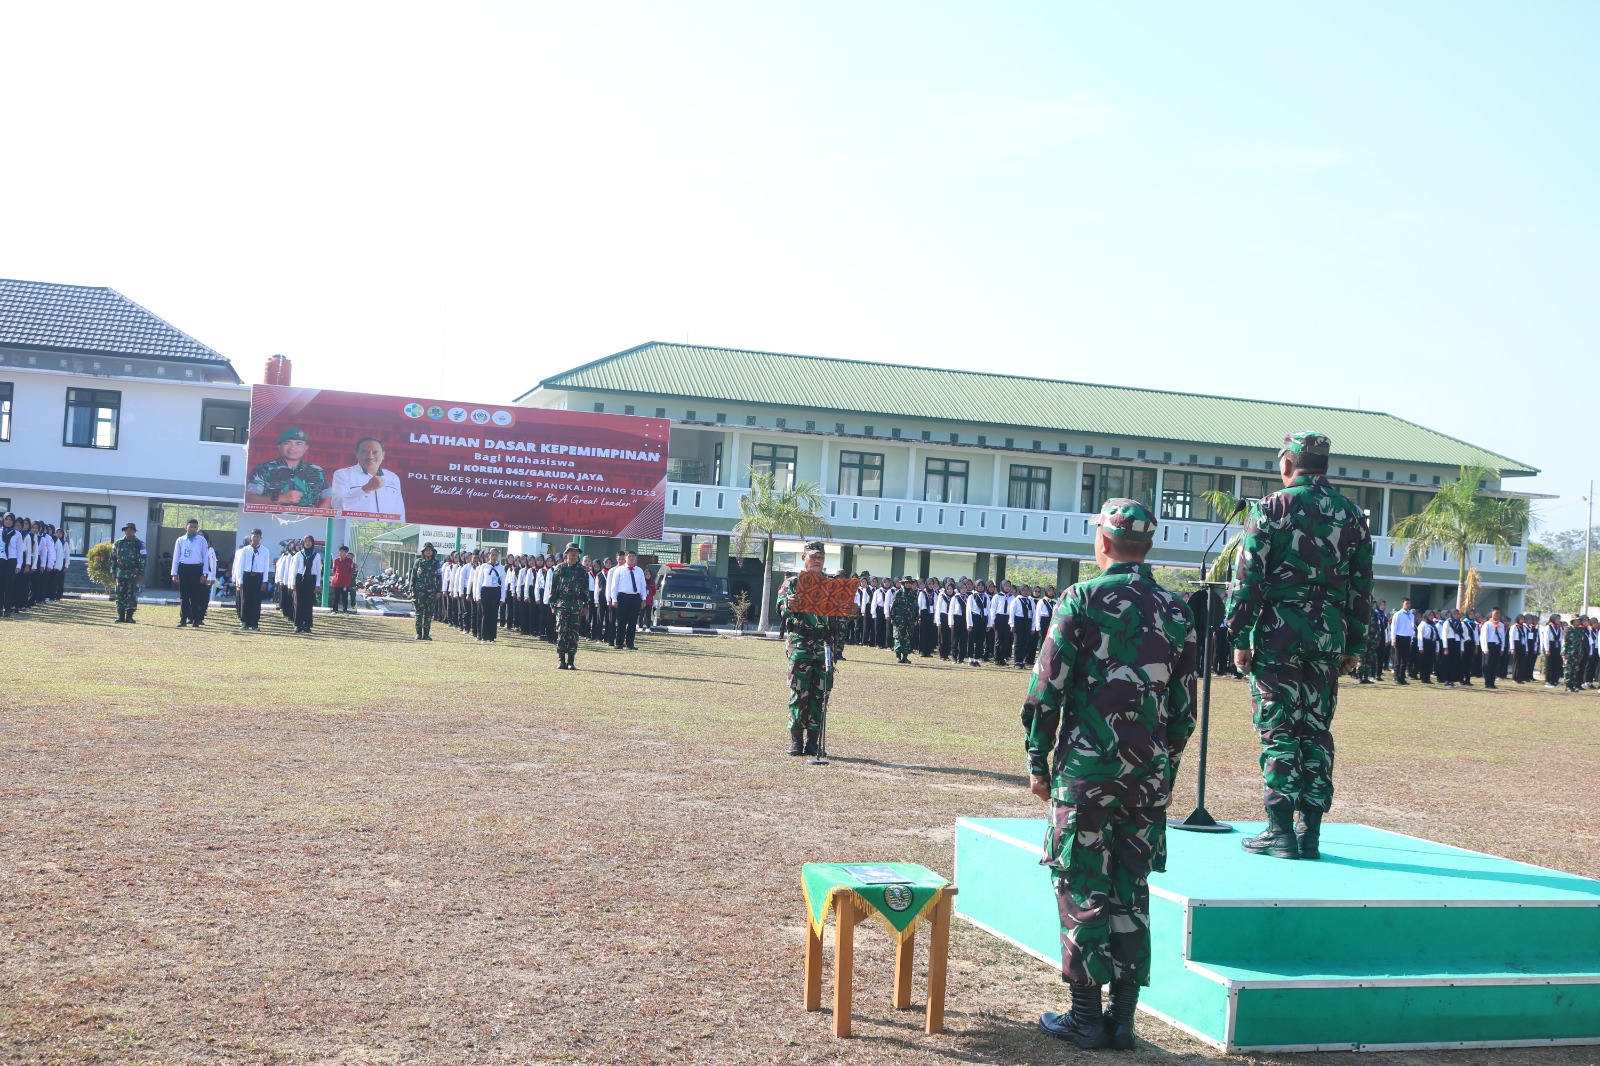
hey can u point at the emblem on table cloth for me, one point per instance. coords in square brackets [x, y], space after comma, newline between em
[897, 898]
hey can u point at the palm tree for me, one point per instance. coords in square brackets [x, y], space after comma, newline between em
[767, 512]
[1224, 503]
[1459, 517]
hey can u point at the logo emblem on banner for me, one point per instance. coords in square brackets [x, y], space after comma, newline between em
[458, 414]
[480, 417]
[436, 412]
[897, 897]
[502, 418]
[412, 410]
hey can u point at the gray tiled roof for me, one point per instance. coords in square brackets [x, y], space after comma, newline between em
[83, 318]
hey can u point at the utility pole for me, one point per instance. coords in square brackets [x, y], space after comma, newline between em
[1588, 540]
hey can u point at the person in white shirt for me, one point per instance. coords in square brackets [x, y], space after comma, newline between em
[10, 552]
[191, 563]
[63, 560]
[1492, 638]
[251, 564]
[625, 586]
[1000, 623]
[44, 567]
[367, 489]
[305, 570]
[488, 584]
[1402, 631]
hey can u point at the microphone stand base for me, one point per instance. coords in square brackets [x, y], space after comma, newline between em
[1200, 821]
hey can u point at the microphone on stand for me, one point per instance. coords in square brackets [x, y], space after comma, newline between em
[1201, 605]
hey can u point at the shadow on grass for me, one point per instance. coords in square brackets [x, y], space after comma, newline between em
[959, 771]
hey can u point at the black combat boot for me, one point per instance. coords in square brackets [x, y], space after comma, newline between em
[1119, 1015]
[1084, 1025]
[1277, 839]
[811, 742]
[796, 741]
[1310, 833]
[122, 616]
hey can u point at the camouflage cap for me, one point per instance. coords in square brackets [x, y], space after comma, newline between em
[1126, 518]
[572, 546]
[291, 434]
[1306, 442]
[815, 546]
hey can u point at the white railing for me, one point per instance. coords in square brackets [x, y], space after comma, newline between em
[921, 521]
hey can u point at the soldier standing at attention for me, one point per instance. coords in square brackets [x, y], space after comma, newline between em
[127, 566]
[1298, 612]
[808, 643]
[427, 578]
[903, 614]
[1574, 642]
[1112, 700]
[569, 595]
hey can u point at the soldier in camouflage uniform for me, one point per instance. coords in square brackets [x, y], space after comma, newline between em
[1298, 613]
[1574, 646]
[427, 578]
[569, 595]
[1112, 699]
[289, 479]
[127, 566]
[903, 616]
[809, 646]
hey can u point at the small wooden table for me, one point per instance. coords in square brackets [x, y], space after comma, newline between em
[850, 911]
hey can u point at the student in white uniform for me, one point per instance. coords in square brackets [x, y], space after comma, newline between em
[251, 565]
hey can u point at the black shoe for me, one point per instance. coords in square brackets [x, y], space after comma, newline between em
[1119, 1015]
[1365, 681]
[796, 740]
[1277, 839]
[1089, 1036]
[811, 742]
[1310, 834]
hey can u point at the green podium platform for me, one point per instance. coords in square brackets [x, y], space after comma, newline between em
[1388, 943]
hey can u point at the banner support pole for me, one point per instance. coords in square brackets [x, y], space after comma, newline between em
[327, 575]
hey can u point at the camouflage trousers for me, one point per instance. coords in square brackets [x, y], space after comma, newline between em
[127, 596]
[1100, 859]
[902, 637]
[423, 608]
[810, 680]
[567, 620]
[1294, 704]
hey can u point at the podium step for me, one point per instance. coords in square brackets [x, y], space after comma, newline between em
[1388, 943]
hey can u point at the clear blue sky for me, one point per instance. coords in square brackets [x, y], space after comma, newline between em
[1390, 206]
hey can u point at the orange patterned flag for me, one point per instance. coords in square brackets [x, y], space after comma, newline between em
[832, 597]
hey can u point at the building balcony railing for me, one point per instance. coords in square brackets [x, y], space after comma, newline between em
[1012, 530]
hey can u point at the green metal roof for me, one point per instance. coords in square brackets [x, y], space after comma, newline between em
[697, 372]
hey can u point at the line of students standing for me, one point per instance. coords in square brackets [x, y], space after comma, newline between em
[1456, 646]
[622, 595]
[967, 620]
[33, 564]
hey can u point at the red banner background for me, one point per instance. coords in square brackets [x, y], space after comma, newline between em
[485, 466]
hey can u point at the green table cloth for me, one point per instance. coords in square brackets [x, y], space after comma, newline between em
[898, 906]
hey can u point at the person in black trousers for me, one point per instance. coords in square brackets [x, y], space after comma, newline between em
[251, 564]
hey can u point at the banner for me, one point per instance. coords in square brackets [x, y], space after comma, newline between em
[403, 459]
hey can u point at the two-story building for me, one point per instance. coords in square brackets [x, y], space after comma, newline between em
[109, 414]
[945, 472]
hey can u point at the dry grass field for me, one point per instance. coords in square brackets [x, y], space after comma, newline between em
[354, 848]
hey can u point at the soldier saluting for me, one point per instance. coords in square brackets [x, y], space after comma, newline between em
[1112, 699]
[1297, 613]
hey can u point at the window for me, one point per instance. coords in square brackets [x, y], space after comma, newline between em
[599, 408]
[1116, 452]
[5, 412]
[688, 416]
[661, 412]
[1182, 495]
[895, 433]
[1253, 488]
[1404, 503]
[955, 438]
[627, 409]
[225, 465]
[5, 504]
[92, 418]
[716, 463]
[783, 423]
[86, 525]
[749, 420]
[860, 474]
[811, 426]
[983, 441]
[1011, 442]
[1038, 445]
[866, 430]
[1101, 483]
[1141, 453]
[777, 460]
[223, 422]
[1413, 479]
[1061, 446]
[1030, 488]
[1369, 498]
[945, 481]
[927, 434]
[838, 428]
[721, 417]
